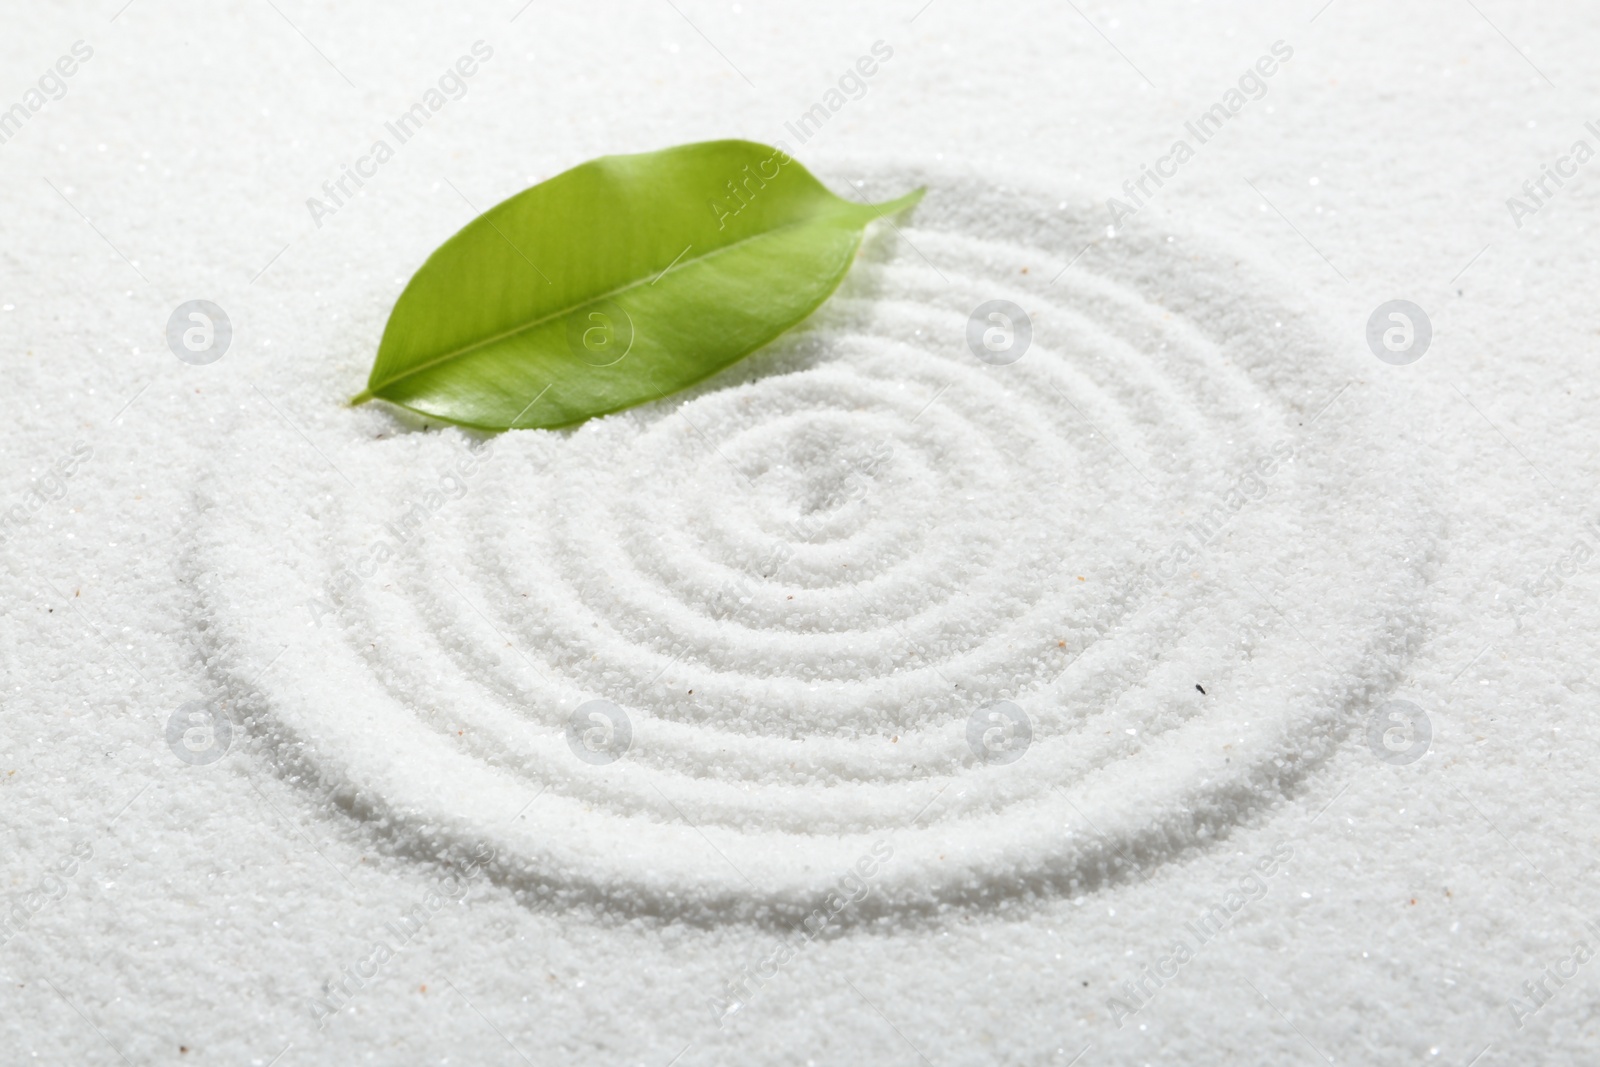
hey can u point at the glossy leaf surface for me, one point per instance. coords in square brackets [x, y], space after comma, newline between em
[615, 283]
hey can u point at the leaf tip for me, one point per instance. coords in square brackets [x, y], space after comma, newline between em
[910, 200]
[359, 399]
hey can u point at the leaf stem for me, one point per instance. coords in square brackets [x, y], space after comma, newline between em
[360, 398]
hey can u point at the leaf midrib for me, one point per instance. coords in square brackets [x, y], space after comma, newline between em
[372, 390]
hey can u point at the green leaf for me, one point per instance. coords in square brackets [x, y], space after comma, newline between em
[615, 283]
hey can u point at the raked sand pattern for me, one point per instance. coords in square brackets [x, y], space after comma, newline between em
[1030, 626]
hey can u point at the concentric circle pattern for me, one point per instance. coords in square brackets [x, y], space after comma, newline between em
[1170, 534]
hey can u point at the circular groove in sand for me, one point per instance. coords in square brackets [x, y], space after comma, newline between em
[801, 580]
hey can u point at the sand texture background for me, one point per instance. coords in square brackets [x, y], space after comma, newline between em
[1438, 543]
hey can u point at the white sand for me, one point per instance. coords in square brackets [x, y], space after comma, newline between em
[806, 583]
